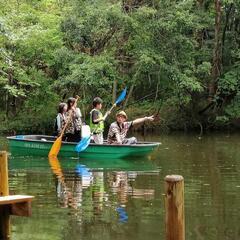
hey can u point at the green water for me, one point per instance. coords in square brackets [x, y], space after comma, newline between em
[123, 199]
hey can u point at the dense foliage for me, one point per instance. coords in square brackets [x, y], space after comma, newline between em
[180, 56]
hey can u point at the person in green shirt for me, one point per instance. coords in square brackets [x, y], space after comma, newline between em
[97, 120]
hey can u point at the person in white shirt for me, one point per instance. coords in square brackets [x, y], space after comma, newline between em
[61, 118]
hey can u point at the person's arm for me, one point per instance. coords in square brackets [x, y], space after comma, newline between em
[141, 120]
[106, 115]
[78, 113]
[95, 117]
[59, 127]
[99, 119]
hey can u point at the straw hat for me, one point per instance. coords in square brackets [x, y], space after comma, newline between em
[122, 113]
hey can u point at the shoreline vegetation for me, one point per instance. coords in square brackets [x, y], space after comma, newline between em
[164, 125]
[179, 57]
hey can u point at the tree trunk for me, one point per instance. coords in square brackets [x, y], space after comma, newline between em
[114, 91]
[156, 94]
[216, 65]
[128, 96]
[228, 11]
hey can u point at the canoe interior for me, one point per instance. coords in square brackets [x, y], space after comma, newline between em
[34, 137]
[46, 138]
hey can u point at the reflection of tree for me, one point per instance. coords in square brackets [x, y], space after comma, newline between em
[210, 167]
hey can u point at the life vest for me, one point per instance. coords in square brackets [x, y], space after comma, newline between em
[96, 127]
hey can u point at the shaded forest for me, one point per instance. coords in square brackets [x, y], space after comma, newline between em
[181, 57]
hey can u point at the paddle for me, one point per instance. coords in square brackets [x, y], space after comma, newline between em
[83, 144]
[58, 142]
[119, 99]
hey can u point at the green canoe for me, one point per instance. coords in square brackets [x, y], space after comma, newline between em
[41, 144]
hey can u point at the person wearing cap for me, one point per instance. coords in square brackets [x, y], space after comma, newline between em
[97, 120]
[118, 130]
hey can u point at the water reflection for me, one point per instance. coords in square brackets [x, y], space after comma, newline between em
[83, 178]
[82, 188]
[122, 199]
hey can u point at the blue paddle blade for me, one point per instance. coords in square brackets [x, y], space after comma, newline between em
[83, 144]
[122, 96]
[123, 217]
[81, 170]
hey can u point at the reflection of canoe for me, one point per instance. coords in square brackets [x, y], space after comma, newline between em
[37, 163]
[41, 144]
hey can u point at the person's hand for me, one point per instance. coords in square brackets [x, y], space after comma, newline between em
[106, 114]
[150, 118]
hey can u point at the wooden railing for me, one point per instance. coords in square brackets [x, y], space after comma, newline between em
[19, 205]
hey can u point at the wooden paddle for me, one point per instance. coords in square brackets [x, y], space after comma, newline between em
[58, 142]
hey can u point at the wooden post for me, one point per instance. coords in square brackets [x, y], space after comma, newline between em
[4, 191]
[174, 205]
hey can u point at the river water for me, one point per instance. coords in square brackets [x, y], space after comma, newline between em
[123, 199]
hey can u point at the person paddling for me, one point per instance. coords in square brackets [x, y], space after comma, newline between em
[118, 130]
[73, 130]
[97, 120]
[61, 118]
